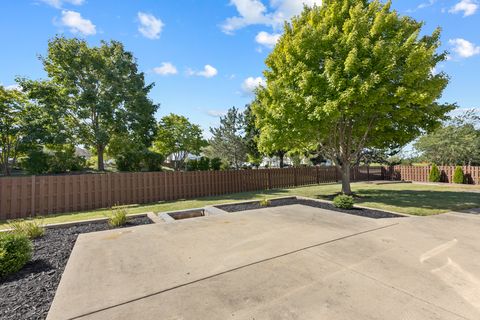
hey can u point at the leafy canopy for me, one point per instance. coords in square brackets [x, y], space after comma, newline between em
[349, 75]
[177, 136]
[21, 126]
[99, 89]
[455, 143]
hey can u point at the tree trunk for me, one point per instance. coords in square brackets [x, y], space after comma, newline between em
[100, 164]
[5, 169]
[345, 170]
[281, 156]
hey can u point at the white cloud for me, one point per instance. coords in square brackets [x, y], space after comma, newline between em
[267, 39]
[216, 113]
[426, 4]
[150, 26]
[59, 3]
[207, 72]
[12, 87]
[74, 21]
[165, 69]
[468, 7]
[251, 12]
[250, 84]
[464, 48]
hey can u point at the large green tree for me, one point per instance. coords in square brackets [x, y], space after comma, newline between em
[228, 140]
[178, 137]
[12, 130]
[102, 91]
[21, 126]
[349, 75]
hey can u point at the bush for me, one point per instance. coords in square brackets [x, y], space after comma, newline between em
[264, 202]
[343, 201]
[59, 161]
[36, 162]
[152, 161]
[458, 176]
[117, 218]
[65, 160]
[434, 175]
[203, 164]
[192, 165]
[129, 160]
[215, 164]
[15, 252]
[31, 228]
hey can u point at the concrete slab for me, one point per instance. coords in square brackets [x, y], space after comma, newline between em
[292, 262]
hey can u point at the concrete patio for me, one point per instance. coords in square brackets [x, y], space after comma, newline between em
[292, 262]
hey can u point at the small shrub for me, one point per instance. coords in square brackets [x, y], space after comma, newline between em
[343, 201]
[264, 202]
[458, 176]
[31, 228]
[15, 252]
[434, 175]
[117, 218]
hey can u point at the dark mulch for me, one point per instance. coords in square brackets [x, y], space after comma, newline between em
[28, 293]
[369, 213]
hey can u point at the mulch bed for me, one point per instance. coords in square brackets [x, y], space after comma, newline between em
[29, 293]
[369, 213]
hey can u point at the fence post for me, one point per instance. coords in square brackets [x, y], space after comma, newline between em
[295, 177]
[269, 179]
[368, 173]
[318, 174]
[32, 213]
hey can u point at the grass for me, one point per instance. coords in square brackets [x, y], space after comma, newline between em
[415, 199]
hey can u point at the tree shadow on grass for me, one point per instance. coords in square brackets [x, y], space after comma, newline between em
[440, 200]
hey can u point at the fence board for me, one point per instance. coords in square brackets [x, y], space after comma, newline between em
[40, 195]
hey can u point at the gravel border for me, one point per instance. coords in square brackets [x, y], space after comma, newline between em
[29, 293]
[363, 212]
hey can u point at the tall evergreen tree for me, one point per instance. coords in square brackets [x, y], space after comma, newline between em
[228, 140]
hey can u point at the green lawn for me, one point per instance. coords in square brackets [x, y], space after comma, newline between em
[415, 199]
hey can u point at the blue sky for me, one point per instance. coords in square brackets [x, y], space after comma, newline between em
[207, 55]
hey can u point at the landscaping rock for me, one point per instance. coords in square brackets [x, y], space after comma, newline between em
[29, 293]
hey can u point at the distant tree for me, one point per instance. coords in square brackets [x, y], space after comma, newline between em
[101, 90]
[177, 136]
[457, 142]
[379, 156]
[350, 75]
[254, 156]
[228, 140]
[20, 127]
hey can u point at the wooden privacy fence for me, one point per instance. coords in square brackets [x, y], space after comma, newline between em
[41, 195]
[421, 173]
